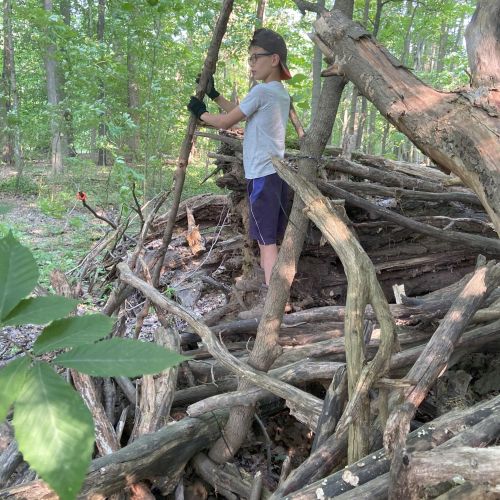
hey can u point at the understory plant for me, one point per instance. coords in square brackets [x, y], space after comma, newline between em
[53, 427]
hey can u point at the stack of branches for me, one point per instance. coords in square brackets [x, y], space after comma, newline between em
[418, 225]
[442, 444]
[152, 430]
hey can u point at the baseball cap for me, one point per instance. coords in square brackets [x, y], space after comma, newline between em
[274, 43]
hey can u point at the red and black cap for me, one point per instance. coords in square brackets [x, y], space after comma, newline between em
[272, 42]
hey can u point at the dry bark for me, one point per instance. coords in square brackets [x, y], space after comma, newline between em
[157, 392]
[482, 35]
[363, 287]
[299, 372]
[287, 392]
[431, 363]
[426, 468]
[105, 435]
[475, 423]
[449, 127]
[163, 453]
[479, 243]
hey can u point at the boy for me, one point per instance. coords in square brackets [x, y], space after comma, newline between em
[265, 110]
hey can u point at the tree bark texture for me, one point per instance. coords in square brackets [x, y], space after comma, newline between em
[363, 288]
[427, 468]
[483, 44]
[11, 141]
[456, 130]
[431, 363]
[163, 453]
[444, 429]
[58, 138]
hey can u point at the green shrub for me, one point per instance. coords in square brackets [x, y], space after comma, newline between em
[25, 186]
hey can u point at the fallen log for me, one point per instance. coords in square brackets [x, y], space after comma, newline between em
[447, 127]
[376, 465]
[424, 469]
[301, 371]
[431, 363]
[476, 242]
[163, 453]
[395, 179]
[285, 391]
[401, 193]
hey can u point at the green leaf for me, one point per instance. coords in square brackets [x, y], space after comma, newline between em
[73, 332]
[40, 310]
[119, 357]
[54, 430]
[296, 79]
[11, 382]
[18, 273]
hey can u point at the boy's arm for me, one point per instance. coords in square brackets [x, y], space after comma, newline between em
[224, 104]
[224, 121]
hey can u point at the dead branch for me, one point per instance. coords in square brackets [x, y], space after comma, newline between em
[217, 350]
[363, 287]
[433, 360]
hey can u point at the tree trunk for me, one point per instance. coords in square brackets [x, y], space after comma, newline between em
[483, 44]
[456, 130]
[69, 132]
[133, 88]
[316, 67]
[102, 128]
[58, 139]
[12, 147]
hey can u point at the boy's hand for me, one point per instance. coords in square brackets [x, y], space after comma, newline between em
[196, 107]
[210, 90]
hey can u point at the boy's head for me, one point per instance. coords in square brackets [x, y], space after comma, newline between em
[273, 44]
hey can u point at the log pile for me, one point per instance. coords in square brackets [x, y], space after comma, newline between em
[419, 226]
[429, 423]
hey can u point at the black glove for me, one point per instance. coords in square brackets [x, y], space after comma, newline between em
[197, 107]
[210, 89]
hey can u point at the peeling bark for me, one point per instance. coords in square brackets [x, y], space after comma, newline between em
[460, 131]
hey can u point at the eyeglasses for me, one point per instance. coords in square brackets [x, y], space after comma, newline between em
[253, 58]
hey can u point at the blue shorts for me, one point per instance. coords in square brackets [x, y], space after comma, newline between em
[267, 200]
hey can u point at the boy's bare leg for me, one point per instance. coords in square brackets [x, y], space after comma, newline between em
[268, 256]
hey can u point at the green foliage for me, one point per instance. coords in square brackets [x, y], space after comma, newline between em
[12, 379]
[114, 357]
[54, 430]
[39, 310]
[18, 274]
[72, 332]
[23, 185]
[55, 204]
[53, 427]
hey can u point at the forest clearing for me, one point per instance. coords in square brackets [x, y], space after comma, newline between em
[145, 350]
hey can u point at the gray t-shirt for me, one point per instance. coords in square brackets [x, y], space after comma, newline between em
[266, 107]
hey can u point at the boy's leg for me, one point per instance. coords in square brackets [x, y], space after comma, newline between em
[268, 256]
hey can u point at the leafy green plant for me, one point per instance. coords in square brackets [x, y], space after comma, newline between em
[53, 427]
[24, 186]
[56, 204]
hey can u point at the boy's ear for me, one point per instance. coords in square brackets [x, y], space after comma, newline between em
[275, 61]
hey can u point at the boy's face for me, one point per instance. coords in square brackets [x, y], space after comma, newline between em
[263, 65]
